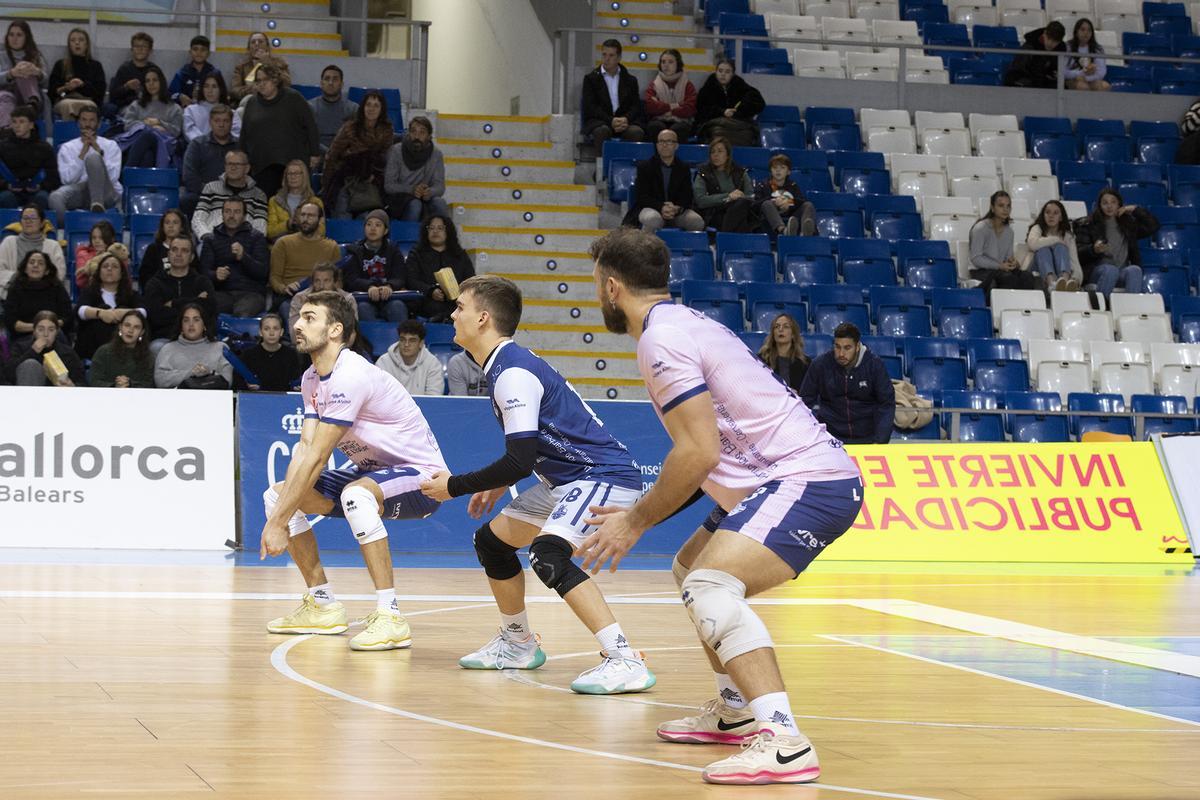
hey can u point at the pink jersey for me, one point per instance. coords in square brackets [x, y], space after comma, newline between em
[384, 426]
[767, 433]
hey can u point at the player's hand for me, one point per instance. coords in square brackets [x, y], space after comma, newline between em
[274, 540]
[437, 487]
[483, 502]
[613, 540]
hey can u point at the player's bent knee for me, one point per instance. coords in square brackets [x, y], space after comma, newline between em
[679, 571]
[550, 557]
[497, 557]
[361, 507]
[716, 602]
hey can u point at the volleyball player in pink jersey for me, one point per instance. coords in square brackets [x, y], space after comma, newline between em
[352, 405]
[784, 489]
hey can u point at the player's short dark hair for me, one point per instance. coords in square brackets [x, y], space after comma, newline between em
[201, 39]
[233, 198]
[614, 44]
[1056, 31]
[638, 259]
[411, 327]
[337, 309]
[141, 36]
[274, 316]
[336, 69]
[500, 297]
[88, 108]
[423, 122]
[847, 330]
[25, 112]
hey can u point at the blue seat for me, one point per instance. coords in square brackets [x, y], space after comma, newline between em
[1186, 46]
[781, 134]
[834, 294]
[728, 314]
[714, 8]
[776, 113]
[1154, 142]
[974, 72]
[1050, 137]
[1167, 405]
[979, 350]
[934, 274]
[405, 234]
[620, 166]
[691, 258]
[893, 296]
[753, 339]
[1183, 305]
[1178, 228]
[438, 333]
[850, 250]
[1189, 329]
[945, 33]
[741, 24]
[917, 347]
[1168, 80]
[150, 191]
[745, 257]
[1170, 282]
[966, 398]
[306, 90]
[957, 299]
[832, 128]
[64, 131]
[1036, 427]
[919, 250]
[817, 343]
[986, 426]
[964, 323]
[861, 173]
[229, 326]
[1152, 11]
[1005, 36]
[894, 366]
[1185, 184]
[807, 259]
[143, 228]
[776, 296]
[379, 334]
[828, 317]
[693, 292]
[1103, 139]
[764, 313]
[1112, 405]
[931, 374]
[881, 345]
[1171, 27]
[925, 15]
[904, 320]
[870, 272]
[343, 231]
[758, 55]
[78, 228]
[1135, 79]
[837, 215]
[893, 217]
[1142, 194]
[755, 158]
[1005, 375]
[1146, 44]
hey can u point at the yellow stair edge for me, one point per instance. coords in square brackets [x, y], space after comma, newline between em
[543, 277]
[282, 34]
[588, 354]
[495, 143]
[656, 17]
[548, 327]
[494, 118]
[499, 251]
[607, 381]
[543, 209]
[593, 232]
[526, 187]
[561, 303]
[291, 51]
[509, 162]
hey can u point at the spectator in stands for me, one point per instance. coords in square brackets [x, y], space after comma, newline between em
[1085, 69]
[103, 304]
[126, 84]
[352, 182]
[437, 249]
[374, 265]
[277, 126]
[102, 240]
[37, 286]
[324, 279]
[663, 194]
[249, 69]
[76, 79]
[153, 124]
[723, 191]
[784, 208]
[89, 168]
[169, 291]
[1108, 243]
[193, 359]
[185, 86]
[993, 262]
[235, 257]
[1189, 146]
[293, 256]
[33, 238]
[1038, 72]
[125, 362]
[850, 391]
[27, 365]
[155, 258]
[612, 104]
[204, 159]
[294, 192]
[465, 377]
[331, 107]
[22, 71]
[275, 364]
[1052, 249]
[727, 106]
[415, 176]
[28, 160]
[235, 181]
[197, 117]
[670, 100]
[409, 362]
[783, 352]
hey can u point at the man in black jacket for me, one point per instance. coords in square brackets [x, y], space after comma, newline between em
[612, 102]
[170, 291]
[126, 84]
[663, 196]
[1038, 72]
[28, 166]
[235, 257]
[849, 390]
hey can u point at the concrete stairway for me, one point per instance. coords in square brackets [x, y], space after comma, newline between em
[316, 35]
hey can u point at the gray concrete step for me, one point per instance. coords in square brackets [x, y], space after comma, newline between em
[523, 149]
[529, 194]
[521, 216]
[510, 170]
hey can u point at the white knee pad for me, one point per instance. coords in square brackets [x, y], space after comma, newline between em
[298, 523]
[362, 512]
[679, 572]
[717, 604]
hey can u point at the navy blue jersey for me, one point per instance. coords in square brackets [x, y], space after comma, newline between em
[530, 399]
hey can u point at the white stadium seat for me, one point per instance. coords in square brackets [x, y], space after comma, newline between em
[1044, 350]
[1086, 326]
[1026, 324]
[1146, 328]
[1117, 353]
[1071, 301]
[1124, 379]
[1122, 304]
[1064, 377]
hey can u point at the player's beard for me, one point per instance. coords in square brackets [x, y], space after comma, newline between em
[614, 318]
[310, 344]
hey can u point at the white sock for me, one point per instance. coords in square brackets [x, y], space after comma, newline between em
[775, 708]
[515, 626]
[323, 594]
[385, 600]
[728, 691]
[612, 640]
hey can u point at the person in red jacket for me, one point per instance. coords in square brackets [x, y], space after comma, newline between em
[670, 100]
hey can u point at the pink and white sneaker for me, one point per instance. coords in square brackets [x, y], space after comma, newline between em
[770, 756]
[716, 723]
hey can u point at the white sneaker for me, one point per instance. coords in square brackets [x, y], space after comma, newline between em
[616, 674]
[716, 723]
[502, 653]
[385, 630]
[771, 756]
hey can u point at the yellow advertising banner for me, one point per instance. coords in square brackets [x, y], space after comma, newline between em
[1081, 502]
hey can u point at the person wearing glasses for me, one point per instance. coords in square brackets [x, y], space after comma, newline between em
[235, 181]
[663, 192]
[437, 249]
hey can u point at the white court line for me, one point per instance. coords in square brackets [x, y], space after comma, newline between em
[280, 663]
[1017, 681]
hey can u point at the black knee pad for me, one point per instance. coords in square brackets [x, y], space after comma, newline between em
[550, 557]
[498, 558]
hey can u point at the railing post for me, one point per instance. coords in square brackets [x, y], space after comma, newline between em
[901, 75]
[1060, 84]
[569, 75]
[556, 78]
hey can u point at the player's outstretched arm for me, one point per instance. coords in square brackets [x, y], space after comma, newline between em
[520, 454]
[317, 441]
[695, 451]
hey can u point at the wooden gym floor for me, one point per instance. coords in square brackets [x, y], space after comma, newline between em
[145, 679]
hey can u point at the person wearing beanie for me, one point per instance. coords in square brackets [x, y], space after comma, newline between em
[373, 270]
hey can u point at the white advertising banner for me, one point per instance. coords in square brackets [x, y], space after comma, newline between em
[116, 468]
[1179, 455]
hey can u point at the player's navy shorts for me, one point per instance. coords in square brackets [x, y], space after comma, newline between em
[796, 520]
[402, 498]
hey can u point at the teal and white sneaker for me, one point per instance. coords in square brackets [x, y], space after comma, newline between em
[616, 674]
[502, 653]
